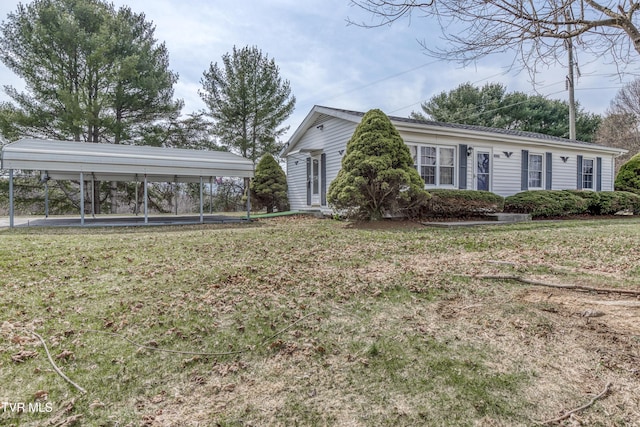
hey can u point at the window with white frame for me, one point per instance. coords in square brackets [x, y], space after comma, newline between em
[413, 149]
[435, 164]
[446, 165]
[428, 165]
[587, 174]
[535, 171]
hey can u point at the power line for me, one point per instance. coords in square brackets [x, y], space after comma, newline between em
[410, 70]
[375, 82]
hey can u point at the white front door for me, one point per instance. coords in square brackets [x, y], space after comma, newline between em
[483, 170]
[315, 180]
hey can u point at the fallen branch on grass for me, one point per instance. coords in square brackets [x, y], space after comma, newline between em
[583, 407]
[281, 331]
[58, 371]
[569, 287]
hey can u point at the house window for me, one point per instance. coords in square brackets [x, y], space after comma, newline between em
[437, 165]
[535, 170]
[447, 165]
[413, 149]
[428, 161]
[587, 174]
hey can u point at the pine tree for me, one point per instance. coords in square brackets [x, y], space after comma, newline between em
[248, 101]
[377, 178]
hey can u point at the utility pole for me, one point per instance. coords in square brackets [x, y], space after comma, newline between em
[571, 88]
[570, 84]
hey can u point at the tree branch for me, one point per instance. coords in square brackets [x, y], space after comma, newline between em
[581, 408]
[551, 285]
[53, 364]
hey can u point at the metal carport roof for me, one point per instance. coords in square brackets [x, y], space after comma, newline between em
[64, 160]
[82, 161]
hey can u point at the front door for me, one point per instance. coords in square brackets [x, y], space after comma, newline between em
[483, 170]
[315, 180]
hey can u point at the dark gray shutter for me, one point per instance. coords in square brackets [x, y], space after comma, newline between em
[598, 173]
[323, 179]
[524, 176]
[462, 166]
[548, 172]
[309, 181]
[579, 174]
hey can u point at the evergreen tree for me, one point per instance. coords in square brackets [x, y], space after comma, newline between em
[92, 73]
[492, 106]
[377, 177]
[248, 101]
[269, 185]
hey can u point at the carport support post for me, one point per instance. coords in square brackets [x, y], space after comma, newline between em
[93, 196]
[10, 198]
[201, 203]
[248, 193]
[135, 208]
[81, 198]
[210, 195]
[176, 193]
[46, 199]
[146, 208]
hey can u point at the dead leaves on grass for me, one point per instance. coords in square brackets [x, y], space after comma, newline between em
[63, 417]
[23, 355]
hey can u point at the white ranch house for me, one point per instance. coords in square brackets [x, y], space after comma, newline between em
[448, 155]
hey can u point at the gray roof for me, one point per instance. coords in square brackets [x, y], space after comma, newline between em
[483, 129]
[112, 162]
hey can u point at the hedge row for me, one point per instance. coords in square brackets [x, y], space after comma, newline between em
[610, 202]
[462, 204]
[539, 203]
[546, 203]
[554, 203]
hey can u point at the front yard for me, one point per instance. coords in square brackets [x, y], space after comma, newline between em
[315, 322]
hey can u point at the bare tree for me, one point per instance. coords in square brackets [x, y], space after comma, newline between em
[537, 30]
[621, 126]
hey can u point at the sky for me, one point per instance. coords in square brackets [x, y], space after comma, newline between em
[331, 63]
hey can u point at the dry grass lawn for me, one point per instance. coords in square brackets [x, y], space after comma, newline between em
[299, 321]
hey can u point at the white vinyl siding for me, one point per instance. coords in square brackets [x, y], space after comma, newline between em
[331, 139]
[504, 166]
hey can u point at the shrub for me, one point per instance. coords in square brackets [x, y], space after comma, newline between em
[609, 202]
[628, 178]
[269, 185]
[377, 178]
[462, 203]
[546, 203]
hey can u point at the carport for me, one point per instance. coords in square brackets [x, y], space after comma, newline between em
[90, 162]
